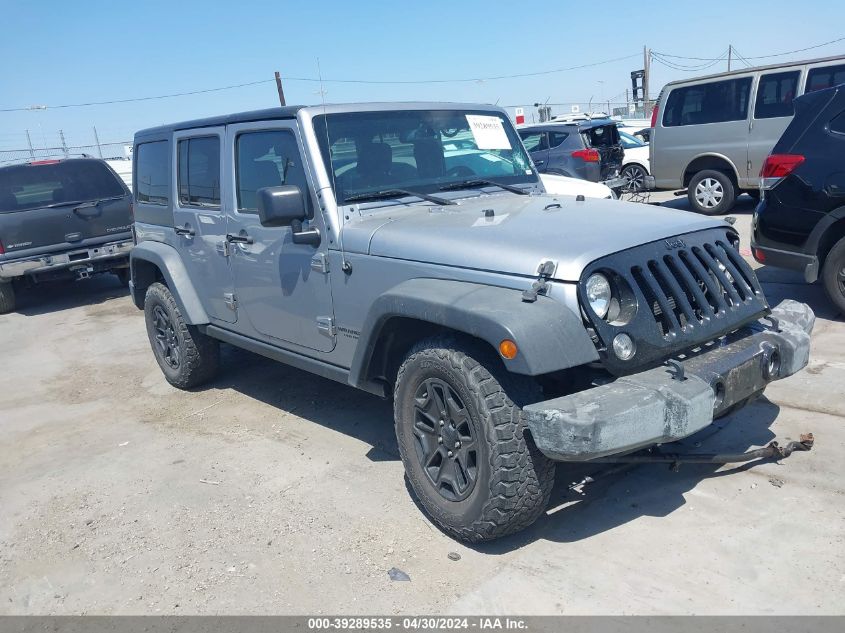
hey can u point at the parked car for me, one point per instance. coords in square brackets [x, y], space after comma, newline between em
[635, 165]
[566, 186]
[588, 149]
[800, 222]
[711, 134]
[338, 239]
[61, 219]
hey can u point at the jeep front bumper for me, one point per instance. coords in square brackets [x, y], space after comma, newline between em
[666, 404]
[81, 257]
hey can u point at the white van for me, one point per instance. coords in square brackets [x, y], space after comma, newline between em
[711, 134]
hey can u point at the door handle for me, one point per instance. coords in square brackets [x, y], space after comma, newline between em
[239, 239]
[539, 162]
[186, 230]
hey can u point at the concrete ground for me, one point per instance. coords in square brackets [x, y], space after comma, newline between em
[274, 491]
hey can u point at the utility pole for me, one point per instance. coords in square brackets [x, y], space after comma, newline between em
[29, 142]
[279, 88]
[646, 72]
[64, 145]
[97, 140]
[730, 50]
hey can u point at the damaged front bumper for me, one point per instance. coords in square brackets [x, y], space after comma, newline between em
[669, 403]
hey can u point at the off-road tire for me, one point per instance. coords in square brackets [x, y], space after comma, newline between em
[7, 297]
[727, 188]
[514, 479]
[199, 355]
[833, 275]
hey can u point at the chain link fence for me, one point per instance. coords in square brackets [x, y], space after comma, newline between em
[119, 150]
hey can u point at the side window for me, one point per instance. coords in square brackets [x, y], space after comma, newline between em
[534, 141]
[556, 138]
[267, 159]
[825, 77]
[714, 102]
[775, 94]
[151, 179]
[199, 171]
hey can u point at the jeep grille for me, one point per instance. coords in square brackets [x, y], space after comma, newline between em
[688, 291]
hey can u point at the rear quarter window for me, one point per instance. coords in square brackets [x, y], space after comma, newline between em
[25, 187]
[151, 172]
[837, 123]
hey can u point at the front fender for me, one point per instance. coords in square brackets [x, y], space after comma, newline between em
[167, 260]
[548, 334]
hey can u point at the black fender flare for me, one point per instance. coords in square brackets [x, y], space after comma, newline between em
[548, 334]
[818, 232]
[167, 260]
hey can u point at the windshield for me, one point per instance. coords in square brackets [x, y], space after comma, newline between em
[629, 141]
[419, 150]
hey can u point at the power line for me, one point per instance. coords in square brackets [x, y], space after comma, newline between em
[797, 50]
[317, 80]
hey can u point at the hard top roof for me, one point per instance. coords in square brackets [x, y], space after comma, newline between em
[289, 112]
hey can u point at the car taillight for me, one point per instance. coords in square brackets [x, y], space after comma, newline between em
[2, 250]
[654, 116]
[44, 162]
[590, 155]
[778, 166]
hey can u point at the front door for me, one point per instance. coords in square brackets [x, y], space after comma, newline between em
[282, 289]
[200, 219]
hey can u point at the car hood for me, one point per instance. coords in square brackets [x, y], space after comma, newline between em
[512, 234]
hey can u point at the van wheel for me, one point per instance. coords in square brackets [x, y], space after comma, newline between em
[459, 427]
[833, 275]
[711, 192]
[187, 357]
[7, 297]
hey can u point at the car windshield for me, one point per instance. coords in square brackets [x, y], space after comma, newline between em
[420, 151]
[629, 141]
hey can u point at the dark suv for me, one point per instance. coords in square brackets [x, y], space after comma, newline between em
[800, 222]
[591, 150]
[62, 219]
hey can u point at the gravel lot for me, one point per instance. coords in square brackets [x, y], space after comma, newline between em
[274, 491]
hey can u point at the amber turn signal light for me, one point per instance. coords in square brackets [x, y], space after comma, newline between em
[508, 349]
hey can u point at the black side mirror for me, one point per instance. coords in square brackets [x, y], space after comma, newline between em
[280, 206]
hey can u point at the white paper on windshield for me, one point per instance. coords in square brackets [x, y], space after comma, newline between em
[488, 132]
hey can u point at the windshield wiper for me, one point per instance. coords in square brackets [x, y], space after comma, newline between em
[395, 193]
[82, 203]
[478, 182]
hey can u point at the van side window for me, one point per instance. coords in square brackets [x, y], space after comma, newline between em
[199, 171]
[151, 179]
[775, 94]
[825, 77]
[266, 159]
[714, 102]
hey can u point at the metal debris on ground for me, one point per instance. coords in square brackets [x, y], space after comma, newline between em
[397, 574]
[454, 556]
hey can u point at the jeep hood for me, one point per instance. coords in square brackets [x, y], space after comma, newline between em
[513, 234]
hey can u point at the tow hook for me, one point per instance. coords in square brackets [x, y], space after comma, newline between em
[772, 451]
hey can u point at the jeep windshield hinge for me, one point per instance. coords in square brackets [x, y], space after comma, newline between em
[545, 271]
[230, 300]
[325, 326]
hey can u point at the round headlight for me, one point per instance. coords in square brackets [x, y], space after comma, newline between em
[623, 346]
[598, 294]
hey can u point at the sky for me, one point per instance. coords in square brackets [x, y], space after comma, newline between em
[58, 52]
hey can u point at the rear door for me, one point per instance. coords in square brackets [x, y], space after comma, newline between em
[773, 110]
[53, 206]
[200, 220]
[537, 145]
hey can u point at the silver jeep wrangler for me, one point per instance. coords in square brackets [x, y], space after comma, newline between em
[410, 250]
